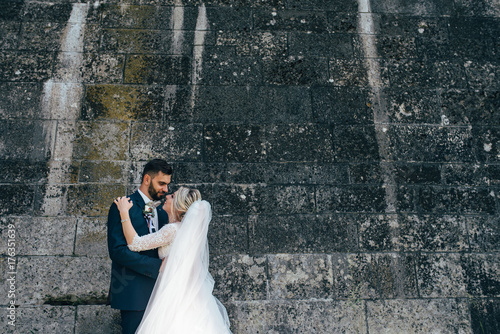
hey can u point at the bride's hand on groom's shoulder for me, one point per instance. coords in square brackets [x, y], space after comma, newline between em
[123, 203]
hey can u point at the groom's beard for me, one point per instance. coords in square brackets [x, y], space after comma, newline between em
[154, 194]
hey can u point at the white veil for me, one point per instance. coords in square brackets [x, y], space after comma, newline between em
[182, 300]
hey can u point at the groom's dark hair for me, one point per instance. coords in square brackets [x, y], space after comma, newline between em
[157, 165]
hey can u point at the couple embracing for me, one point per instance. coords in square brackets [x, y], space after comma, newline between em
[159, 278]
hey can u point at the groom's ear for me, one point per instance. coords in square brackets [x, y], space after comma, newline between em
[147, 179]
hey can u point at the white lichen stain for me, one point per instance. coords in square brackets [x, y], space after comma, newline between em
[487, 147]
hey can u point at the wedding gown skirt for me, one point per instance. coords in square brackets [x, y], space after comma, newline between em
[182, 300]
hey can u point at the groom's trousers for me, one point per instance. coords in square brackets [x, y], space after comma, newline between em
[130, 321]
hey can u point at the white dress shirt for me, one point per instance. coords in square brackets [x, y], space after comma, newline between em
[154, 219]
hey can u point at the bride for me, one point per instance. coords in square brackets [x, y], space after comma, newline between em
[182, 300]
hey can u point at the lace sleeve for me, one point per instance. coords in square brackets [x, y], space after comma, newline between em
[163, 237]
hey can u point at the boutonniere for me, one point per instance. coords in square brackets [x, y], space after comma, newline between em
[149, 209]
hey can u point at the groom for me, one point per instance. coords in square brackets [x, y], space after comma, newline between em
[133, 274]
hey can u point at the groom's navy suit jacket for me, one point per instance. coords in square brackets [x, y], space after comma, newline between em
[133, 274]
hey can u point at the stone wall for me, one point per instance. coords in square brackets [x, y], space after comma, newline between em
[350, 150]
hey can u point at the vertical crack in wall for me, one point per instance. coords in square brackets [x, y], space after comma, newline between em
[177, 25]
[366, 29]
[61, 102]
[199, 41]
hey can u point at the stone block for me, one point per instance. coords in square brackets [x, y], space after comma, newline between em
[414, 106]
[221, 67]
[477, 8]
[321, 45]
[44, 235]
[486, 141]
[466, 175]
[348, 72]
[290, 20]
[258, 43]
[137, 17]
[239, 277]
[91, 237]
[93, 68]
[295, 71]
[153, 69]
[97, 319]
[147, 41]
[315, 316]
[27, 140]
[355, 143]
[342, 22]
[350, 199]
[16, 199]
[229, 19]
[482, 74]
[63, 171]
[176, 141]
[300, 276]
[25, 66]
[484, 233]
[442, 275]
[9, 34]
[453, 200]
[341, 105]
[103, 172]
[378, 232]
[397, 47]
[433, 233]
[416, 8]
[485, 315]
[41, 36]
[92, 199]
[245, 199]
[238, 104]
[409, 73]
[304, 142]
[92, 34]
[412, 233]
[228, 234]
[365, 173]
[41, 319]
[11, 10]
[23, 171]
[483, 273]
[302, 234]
[418, 316]
[53, 280]
[472, 37]
[462, 107]
[285, 199]
[269, 173]
[144, 103]
[98, 140]
[375, 275]
[47, 11]
[239, 143]
[417, 174]
[421, 143]
[51, 200]
[349, 6]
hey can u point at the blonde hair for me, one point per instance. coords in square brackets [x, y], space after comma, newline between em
[183, 199]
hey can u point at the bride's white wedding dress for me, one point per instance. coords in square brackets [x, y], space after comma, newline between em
[182, 300]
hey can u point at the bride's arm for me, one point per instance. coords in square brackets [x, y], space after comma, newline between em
[124, 204]
[165, 236]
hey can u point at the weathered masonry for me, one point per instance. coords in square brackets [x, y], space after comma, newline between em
[350, 150]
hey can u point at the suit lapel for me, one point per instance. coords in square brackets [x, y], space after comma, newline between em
[141, 226]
